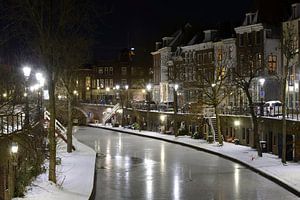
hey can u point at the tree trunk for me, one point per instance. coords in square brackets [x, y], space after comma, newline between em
[51, 134]
[283, 154]
[220, 139]
[254, 125]
[70, 125]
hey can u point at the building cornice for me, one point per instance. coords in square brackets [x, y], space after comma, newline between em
[249, 28]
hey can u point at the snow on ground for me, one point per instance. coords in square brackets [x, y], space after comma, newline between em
[269, 164]
[75, 176]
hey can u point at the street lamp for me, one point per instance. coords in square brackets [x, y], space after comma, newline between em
[176, 86]
[14, 147]
[26, 72]
[261, 94]
[127, 96]
[148, 88]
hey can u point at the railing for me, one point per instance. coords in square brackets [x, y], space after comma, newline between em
[11, 123]
[108, 115]
[58, 125]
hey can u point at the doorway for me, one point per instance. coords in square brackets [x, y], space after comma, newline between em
[270, 142]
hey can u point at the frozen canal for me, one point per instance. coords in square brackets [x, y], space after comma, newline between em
[138, 168]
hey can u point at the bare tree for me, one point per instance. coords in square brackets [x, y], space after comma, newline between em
[289, 50]
[215, 87]
[244, 76]
[48, 26]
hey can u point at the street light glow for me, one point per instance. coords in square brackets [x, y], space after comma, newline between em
[40, 78]
[213, 85]
[4, 95]
[14, 147]
[126, 87]
[26, 71]
[176, 86]
[148, 87]
[162, 118]
[117, 87]
[107, 89]
[237, 123]
[262, 81]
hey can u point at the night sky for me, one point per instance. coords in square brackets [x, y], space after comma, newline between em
[139, 23]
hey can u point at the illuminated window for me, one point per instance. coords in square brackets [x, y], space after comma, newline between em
[272, 63]
[88, 81]
[219, 55]
[111, 83]
[101, 83]
[106, 70]
[100, 70]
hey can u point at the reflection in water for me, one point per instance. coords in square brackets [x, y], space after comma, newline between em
[236, 178]
[108, 147]
[120, 145]
[97, 146]
[149, 164]
[162, 158]
[176, 186]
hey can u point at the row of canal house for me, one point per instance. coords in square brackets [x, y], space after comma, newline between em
[179, 57]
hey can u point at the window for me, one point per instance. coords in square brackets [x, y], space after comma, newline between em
[106, 70]
[197, 129]
[101, 83]
[124, 82]
[111, 82]
[107, 83]
[200, 58]
[257, 37]
[124, 71]
[100, 70]
[94, 82]
[190, 129]
[230, 52]
[272, 63]
[244, 133]
[111, 69]
[249, 35]
[204, 58]
[258, 60]
[210, 57]
[219, 55]
[241, 39]
[88, 81]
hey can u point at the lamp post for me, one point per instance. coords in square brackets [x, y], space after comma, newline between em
[26, 72]
[261, 95]
[127, 96]
[148, 88]
[176, 86]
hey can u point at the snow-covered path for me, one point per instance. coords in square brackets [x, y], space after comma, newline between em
[75, 176]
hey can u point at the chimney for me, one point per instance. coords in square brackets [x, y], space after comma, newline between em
[157, 45]
[210, 35]
[295, 10]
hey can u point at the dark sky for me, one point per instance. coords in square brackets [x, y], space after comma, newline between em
[139, 23]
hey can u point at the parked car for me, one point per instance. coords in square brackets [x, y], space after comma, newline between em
[273, 108]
